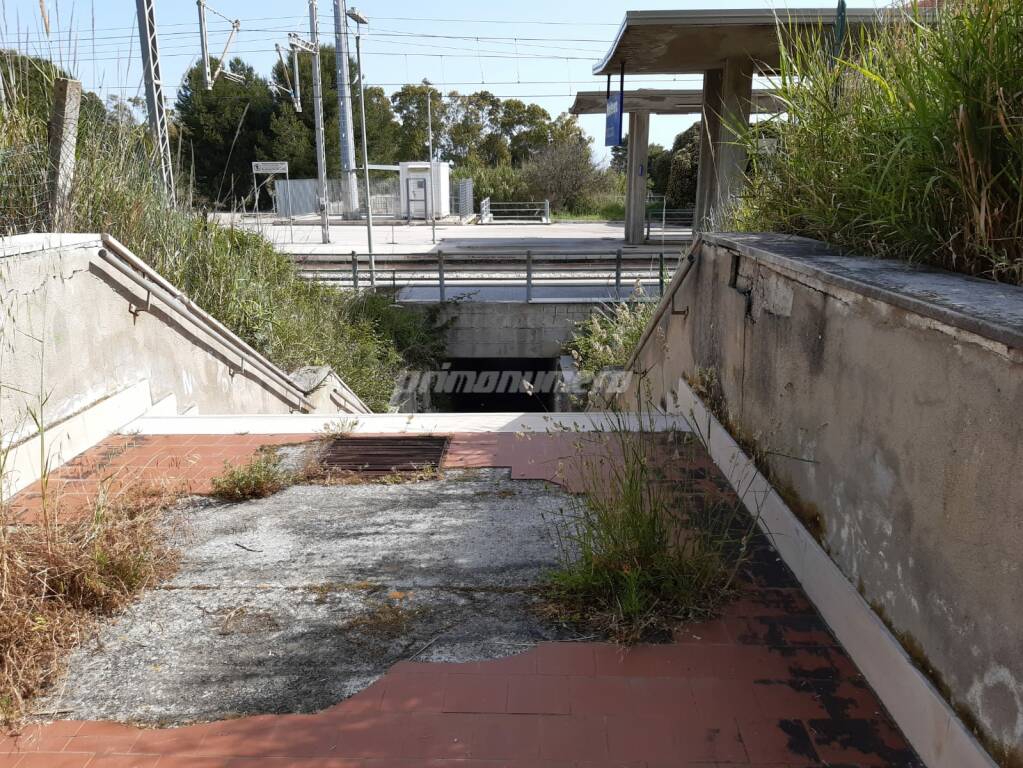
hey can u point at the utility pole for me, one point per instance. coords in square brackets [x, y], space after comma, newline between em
[349, 178]
[154, 91]
[429, 133]
[313, 46]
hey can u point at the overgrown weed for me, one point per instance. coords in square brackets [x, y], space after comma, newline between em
[645, 547]
[59, 576]
[258, 478]
[908, 145]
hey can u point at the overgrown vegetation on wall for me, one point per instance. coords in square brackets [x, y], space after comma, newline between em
[609, 336]
[236, 276]
[908, 145]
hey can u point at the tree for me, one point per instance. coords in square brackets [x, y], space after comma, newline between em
[658, 165]
[409, 105]
[680, 190]
[526, 127]
[294, 135]
[473, 130]
[225, 129]
[563, 171]
[620, 156]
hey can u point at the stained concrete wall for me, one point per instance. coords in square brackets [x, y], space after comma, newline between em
[74, 332]
[886, 403]
[511, 329]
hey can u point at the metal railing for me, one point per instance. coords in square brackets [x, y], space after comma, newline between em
[529, 275]
[515, 211]
[668, 222]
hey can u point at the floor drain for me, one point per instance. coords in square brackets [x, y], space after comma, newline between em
[384, 455]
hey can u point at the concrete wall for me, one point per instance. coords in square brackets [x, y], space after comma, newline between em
[511, 329]
[886, 404]
[75, 333]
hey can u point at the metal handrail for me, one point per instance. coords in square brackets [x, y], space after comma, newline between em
[132, 267]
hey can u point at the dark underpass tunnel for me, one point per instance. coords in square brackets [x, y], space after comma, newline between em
[488, 384]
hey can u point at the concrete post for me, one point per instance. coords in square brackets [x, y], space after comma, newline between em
[629, 154]
[635, 207]
[707, 174]
[63, 139]
[736, 104]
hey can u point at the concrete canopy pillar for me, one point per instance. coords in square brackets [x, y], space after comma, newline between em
[630, 142]
[635, 191]
[736, 105]
[706, 172]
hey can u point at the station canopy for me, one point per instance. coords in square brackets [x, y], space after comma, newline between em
[695, 41]
[663, 102]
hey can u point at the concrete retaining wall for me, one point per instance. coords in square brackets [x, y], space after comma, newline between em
[76, 333]
[886, 405]
[511, 329]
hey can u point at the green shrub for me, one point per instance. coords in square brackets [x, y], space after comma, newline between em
[910, 145]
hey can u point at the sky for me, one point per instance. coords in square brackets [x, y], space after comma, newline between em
[539, 51]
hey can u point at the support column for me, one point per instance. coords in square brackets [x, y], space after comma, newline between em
[635, 204]
[629, 154]
[736, 105]
[707, 174]
[63, 141]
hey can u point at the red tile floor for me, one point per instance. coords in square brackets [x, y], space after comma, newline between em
[765, 684]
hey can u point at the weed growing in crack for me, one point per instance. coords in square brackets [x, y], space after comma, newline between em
[650, 542]
[262, 476]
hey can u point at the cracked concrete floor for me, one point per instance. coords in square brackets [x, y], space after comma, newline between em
[297, 601]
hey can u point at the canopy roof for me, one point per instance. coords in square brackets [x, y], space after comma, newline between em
[692, 41]
[663, 102]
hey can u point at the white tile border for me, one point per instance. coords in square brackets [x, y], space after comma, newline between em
[397, 423]
[930, 725]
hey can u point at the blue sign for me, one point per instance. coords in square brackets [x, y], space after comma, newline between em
[613, 124]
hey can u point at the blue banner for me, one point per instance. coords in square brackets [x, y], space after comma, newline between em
[613, 124]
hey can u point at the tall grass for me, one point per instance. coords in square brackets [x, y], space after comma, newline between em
[645, 548]
[608, 337]
[909, 145]
[58, 576]
[234, 275]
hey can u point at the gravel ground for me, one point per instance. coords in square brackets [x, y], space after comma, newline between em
[294, 602]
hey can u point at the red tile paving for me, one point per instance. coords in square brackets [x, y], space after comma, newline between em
[764, 685]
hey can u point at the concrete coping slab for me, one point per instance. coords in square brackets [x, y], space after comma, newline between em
[20, 245]
[402, 423]
[983, 307]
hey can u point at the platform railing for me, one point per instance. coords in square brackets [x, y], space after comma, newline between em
[527, 275]
[538, 210]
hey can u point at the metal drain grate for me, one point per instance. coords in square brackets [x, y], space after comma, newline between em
[385, 455]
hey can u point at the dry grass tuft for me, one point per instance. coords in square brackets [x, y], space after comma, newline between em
[389, 618]
[57, 578]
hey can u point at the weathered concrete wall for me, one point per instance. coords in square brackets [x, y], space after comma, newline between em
[886, 403]
[74, 332]
[511, 329]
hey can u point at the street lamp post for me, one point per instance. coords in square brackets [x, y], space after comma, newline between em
[359, 20]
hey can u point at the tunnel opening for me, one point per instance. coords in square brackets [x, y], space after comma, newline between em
[493, 384]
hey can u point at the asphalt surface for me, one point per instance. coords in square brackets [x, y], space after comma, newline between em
[294, 602]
